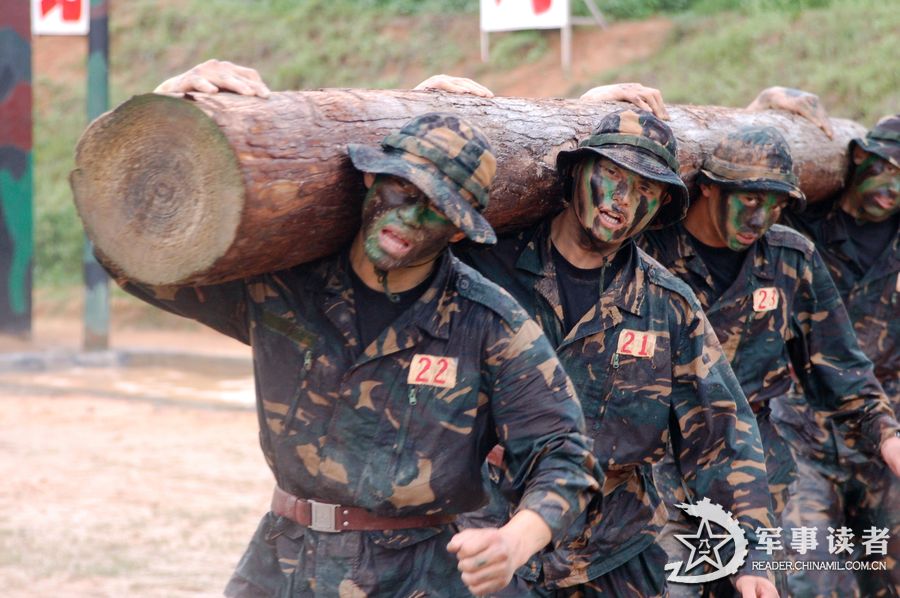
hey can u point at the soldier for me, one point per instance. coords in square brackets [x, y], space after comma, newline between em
[384, 374]
[643, 358]
[838, 486]
[773, 306]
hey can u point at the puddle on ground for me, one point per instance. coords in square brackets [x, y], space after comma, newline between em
[150, 382]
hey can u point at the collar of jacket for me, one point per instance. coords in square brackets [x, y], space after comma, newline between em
[536, 259]
[431, 312]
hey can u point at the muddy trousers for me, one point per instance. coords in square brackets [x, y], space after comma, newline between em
[780, 469]
[858, 497]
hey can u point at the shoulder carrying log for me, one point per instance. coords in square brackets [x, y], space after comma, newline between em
[210, 188]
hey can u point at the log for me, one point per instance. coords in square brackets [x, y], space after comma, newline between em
[210, 188]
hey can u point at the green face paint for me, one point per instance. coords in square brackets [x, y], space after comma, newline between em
[401, 227]
[611, 202]
[743, 216]
[874, 192]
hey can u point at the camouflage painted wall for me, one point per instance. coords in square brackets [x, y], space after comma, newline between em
[16, 225]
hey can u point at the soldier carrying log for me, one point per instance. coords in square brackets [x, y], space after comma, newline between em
[384, 374]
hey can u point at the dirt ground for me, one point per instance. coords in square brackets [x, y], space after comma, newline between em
[126, 481]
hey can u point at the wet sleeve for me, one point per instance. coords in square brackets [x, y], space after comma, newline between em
[837, 377]
[222, 307]
[716, 440]
[540, 424]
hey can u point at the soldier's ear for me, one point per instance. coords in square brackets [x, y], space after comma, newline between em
[666, 197]
[858, 155]
[368, 179]
[457, 236]
[706, 190]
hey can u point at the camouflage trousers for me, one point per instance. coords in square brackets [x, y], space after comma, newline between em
[640, 577]
[285, 560]
[780, 470]
[858, 496]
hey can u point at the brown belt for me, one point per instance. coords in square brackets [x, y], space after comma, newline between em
[326, 517]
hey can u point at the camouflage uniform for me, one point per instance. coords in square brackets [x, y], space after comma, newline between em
[349, 424]
[782, 314]
[681, 389]
[837, 484]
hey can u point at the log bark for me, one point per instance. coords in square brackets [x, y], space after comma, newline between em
[210, 188]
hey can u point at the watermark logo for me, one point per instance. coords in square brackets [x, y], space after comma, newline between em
[708, 545]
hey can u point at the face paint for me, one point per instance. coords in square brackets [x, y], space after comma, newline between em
[611, 202]
[400, 226]
[743, 216]
[874, 193]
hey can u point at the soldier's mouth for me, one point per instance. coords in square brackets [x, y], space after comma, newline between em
[746, 238]
[611, 220]
[885, 201]
[391, 242]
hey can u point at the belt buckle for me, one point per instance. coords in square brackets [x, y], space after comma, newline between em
[323, 517]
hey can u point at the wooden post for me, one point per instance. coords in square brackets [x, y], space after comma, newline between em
[96, 299]
[16, 186]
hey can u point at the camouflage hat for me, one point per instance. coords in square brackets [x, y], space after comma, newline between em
[883, 139]
[755, 158]
[448, 159]
[636, 140]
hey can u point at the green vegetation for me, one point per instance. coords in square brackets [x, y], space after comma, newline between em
[721, 52]
[843, 53]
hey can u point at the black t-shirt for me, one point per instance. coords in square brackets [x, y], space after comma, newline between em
[579, 289]
[375, 311]
[723, 264]
[869, 238]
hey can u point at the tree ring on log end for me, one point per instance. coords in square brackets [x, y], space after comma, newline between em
[158, 188]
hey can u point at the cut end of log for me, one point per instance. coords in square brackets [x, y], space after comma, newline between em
[158, 186]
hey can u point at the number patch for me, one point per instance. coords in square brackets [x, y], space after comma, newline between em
[432, 370]
[636, 343]
[765, 299]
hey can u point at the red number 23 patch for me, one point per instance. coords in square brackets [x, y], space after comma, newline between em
[765, 299]
[432, 370]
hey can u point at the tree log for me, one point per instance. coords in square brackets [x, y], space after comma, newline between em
[209, 188]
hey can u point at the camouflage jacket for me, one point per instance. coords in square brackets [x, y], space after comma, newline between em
[647, 367]
[783, 314]
[872, 298]
[401, 427]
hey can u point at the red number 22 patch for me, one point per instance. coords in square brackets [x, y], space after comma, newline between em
[432, 370]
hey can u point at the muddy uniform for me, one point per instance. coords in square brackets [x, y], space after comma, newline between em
[837, 484]
[783, 311]
[400, 427]
[647, 368]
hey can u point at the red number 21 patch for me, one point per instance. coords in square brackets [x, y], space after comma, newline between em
[765, 299]
[636, 343]
[432, 370]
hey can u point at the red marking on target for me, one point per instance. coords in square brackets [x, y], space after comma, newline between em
[538, 6]
[71, 9]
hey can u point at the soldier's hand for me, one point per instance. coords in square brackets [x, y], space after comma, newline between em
[645, 98]
[214, 76]
[890, 452]
[455, 85]
[750, 586]
[488, 557]
[795, 101]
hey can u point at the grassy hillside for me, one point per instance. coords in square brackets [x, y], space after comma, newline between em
[840, 50]
[846, 53]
